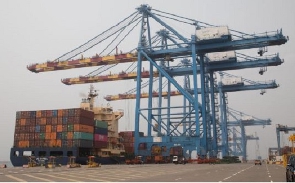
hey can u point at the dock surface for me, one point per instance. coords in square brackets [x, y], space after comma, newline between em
[241, 172]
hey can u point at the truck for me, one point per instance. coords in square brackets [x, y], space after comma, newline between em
[179, 160]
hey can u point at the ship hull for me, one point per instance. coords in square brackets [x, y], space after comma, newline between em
[20, 156]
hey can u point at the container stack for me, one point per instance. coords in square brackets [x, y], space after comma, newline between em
[128, 140]
[54, 128]
[100, 134]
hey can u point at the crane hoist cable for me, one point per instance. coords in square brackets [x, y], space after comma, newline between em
[107, 67]
[122, 29]
[97, 39]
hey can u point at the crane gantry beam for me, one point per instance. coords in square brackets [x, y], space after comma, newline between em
[180, 71]
[232, 88]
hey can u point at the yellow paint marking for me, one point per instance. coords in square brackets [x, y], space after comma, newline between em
[16, 179]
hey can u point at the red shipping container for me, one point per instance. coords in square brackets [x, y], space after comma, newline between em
[59, 121]
[98, 144]
[54, 121]
[48, 121]
[99, 137]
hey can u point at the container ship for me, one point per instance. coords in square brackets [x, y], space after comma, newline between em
[61, 133]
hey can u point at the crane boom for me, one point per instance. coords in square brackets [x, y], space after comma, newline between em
[83, 62]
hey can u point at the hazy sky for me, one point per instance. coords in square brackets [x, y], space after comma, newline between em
[36, 31]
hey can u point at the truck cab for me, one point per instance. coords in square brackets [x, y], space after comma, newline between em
[179, 160]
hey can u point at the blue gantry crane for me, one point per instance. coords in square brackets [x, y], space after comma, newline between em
[240, 119]
[158, 50]
[285, 129]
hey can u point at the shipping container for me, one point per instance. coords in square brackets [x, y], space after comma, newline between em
[42, 128]
[232, 81]
[64, 120]
[42, 136]
[82, 143]
[54, 128]
[53, 135]
[48, 120]
[101, 124]
[48, 128]
[64, 128]
[83, 136]
[213, 34]
[59, 113]
[98, 130]
[99, 137]
[58, 143]
[47, 136]
[59, 120]
[64, 135]
[71, 128]
[59, 128]
[83, 128]
[43, 114]
[59, 135]
[70, 135]
[23, 143]
[99, 144]
[38, 114]
[54, 121]
[18, 114]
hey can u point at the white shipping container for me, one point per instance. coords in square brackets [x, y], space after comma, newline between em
[222, 56]
[232, 81]
[209, 33]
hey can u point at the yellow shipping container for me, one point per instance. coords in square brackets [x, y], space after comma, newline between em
[53, 135]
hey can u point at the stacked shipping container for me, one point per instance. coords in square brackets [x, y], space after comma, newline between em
[128, 140]
[100, 134]
[55, 128]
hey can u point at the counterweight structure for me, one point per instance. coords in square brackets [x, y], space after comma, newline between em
[193, 124]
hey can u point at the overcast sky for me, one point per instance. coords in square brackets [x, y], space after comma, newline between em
[36, 31]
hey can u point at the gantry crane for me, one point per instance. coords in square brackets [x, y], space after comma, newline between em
[236, 142]
[285, 129]
[159, 52]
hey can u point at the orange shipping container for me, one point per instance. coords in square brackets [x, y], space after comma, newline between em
[43, 121]
[59, 128]
[23, 122]
[48, 128]
[59, 113]
[58, 143]
[23, 143]
[53, 135]
[47, 136]
[70, 135]
[52, 143]
[83, 128]
[38, 114]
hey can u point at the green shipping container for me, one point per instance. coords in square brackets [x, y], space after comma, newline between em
[64, 135]
[83, 135]
[42, 136]
[101, 124]
[70, 128]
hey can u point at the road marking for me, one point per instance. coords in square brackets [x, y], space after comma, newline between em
[15, 178]
[72, 180]
[45, 180]
[75, 176]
